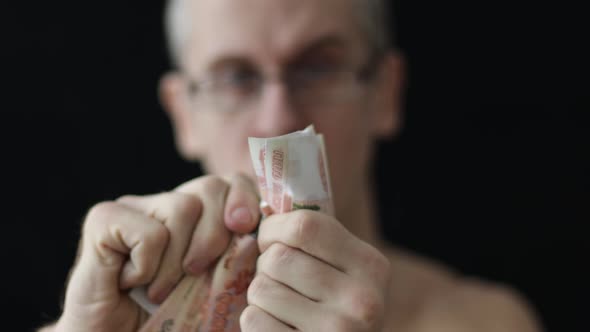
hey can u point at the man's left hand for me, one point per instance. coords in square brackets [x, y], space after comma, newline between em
[314, 275]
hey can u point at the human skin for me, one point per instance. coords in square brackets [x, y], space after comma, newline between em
[315, 273]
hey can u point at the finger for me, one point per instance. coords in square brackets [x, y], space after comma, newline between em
[303, 273]
[242, 205]
[315, 233]
[326, 239]
[282, 303]
[179, 213]
[210, 238]
[122, 248]
[254, 319]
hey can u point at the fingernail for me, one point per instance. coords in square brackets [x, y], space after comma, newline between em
[241, 215]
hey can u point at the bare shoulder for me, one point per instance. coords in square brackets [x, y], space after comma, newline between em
[427, 296]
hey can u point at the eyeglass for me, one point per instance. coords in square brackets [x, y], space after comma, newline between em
[239, 88]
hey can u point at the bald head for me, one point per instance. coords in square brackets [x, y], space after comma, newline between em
[373, 20]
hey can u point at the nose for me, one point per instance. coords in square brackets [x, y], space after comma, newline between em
[276, 114]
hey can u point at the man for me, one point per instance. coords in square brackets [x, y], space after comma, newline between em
[265, 68]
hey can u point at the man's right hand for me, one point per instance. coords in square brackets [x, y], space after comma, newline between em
[152, 240]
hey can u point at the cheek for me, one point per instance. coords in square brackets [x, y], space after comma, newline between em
[348, 153]
[347, 135]
[348, 143]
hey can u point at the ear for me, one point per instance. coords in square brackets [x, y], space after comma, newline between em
[175, 101]
[390, 84]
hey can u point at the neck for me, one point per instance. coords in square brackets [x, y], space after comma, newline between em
[359, 216]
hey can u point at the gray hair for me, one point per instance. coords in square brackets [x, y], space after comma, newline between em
[375, 22]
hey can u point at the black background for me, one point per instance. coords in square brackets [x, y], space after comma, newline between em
[490, 174]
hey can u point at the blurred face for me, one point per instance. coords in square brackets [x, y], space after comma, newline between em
[265, 68]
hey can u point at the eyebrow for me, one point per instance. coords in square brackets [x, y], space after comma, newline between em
[232, 60]
[323, 42]
[329, 41]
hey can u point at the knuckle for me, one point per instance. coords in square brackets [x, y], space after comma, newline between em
[158, 236]
[100, 213]
[213, 183]
[277, 256]
[381, 265]
[186, 207]
[241, 177]
[378, 266]
[243, 180]
[249, 319]
[257, 286]
[281, 254]
[365, 306]
[127, 198]
[339, 323]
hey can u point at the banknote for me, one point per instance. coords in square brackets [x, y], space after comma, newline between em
[292, 173]
[214, 300]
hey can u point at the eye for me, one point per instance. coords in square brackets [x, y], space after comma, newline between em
[317, 68]
[239, 78]
[313, 73]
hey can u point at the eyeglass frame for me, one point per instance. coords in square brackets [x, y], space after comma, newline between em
[363, 74]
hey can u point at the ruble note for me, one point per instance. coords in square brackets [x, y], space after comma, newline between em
[294, 171]
[212, 301]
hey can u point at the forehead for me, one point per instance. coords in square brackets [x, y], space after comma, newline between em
[268, 29]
